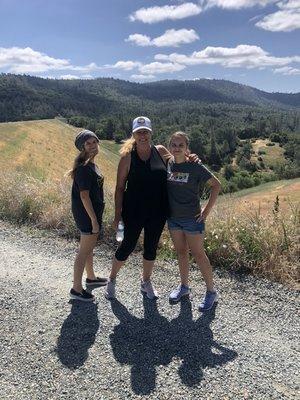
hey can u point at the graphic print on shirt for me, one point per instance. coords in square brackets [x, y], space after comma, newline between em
[178, 177]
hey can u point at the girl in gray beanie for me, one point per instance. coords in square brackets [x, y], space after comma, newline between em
[87, 209]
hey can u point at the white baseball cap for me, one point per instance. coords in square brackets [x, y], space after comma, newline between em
[141, 123]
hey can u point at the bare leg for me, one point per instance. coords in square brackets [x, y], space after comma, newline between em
[116, 266]
[181, 248]
[86, 246]
[152, 231]
[89, 268]
[147, 269]
[195, 243]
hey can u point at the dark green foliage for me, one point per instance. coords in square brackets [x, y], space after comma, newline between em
[118, 138]
[278, 137]
[109, 129]
[221, 117]
[214, 158]
[244, 152]
[228, 171]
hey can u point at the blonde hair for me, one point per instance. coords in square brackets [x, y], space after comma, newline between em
[127, 146]
[181, 135]
[81, 159]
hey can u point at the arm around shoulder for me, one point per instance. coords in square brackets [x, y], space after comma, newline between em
[214, 183]
[163, 152]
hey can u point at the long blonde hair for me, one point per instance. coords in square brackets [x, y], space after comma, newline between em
[82, 158]
[127, 146]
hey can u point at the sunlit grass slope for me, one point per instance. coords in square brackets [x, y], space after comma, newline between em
[45, 150]
[262, 198]
[271, 154]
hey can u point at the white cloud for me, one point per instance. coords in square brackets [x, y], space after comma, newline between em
[86, 68]
[285, 20]
[238, 4]
[147, 70]
[26, 60]
[69, 76]
[241, 56]
[171, 38]
[160, 68]
[142, 77]
[139, 40]
[156, 14]
[287, 71]
[174, 38]
[125, 65]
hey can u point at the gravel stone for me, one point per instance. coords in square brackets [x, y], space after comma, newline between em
[247, 347]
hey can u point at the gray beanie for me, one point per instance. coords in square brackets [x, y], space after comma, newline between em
[82, 137]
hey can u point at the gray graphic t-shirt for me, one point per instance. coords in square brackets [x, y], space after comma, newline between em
[183, 188]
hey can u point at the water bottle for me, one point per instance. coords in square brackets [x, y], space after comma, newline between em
[120, 232]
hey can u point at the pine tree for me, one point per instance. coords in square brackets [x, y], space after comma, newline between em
[214, 158]
[109, 129]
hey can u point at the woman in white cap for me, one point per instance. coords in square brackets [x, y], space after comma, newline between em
[87, 209]
[141, 201]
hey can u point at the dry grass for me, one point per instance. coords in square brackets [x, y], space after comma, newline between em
[261, 198]
[45, 150]
[265, 244]
[274, 154]
[246, 232]
[238, 237]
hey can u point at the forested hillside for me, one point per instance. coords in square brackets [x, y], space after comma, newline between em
[26, 97]
[248, 136]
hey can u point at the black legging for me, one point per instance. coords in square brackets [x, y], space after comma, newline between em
[153, 228]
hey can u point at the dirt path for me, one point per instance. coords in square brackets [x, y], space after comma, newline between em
[246, 348]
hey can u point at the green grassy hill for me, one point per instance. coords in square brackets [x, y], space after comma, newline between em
[45, 150]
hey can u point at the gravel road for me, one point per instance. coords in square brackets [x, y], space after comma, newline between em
[134, 348]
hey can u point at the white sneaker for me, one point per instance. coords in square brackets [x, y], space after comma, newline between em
[148, 289]
[110, 290]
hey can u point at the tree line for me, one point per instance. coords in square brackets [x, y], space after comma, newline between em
[222, 118]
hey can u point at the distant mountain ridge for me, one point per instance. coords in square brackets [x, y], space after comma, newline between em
[27, 97]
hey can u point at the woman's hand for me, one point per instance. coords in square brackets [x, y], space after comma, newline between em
[201, 217]
[95, 226]
[193, 158]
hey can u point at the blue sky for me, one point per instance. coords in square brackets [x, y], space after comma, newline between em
[254, 42]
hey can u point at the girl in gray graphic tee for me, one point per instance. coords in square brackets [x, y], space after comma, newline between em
[187, 220]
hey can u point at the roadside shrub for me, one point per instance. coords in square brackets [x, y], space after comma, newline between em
[243, 180]
[270, 144]
[228, 171]
[24, 199]
[265, 245]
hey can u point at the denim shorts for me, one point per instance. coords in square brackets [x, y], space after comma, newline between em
[187, 225]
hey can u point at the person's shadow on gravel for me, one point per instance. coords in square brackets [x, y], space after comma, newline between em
[153, 340]
[78, 334]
